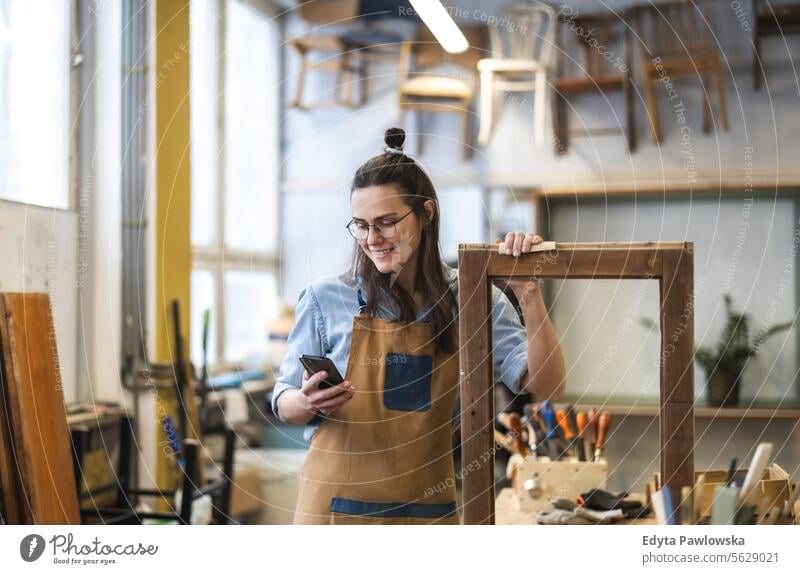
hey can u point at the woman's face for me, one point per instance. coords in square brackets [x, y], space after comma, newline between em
[383, 205]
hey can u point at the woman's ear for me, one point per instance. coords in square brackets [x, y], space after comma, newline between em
[430, 209]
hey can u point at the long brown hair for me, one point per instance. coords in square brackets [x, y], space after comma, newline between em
[415, 188]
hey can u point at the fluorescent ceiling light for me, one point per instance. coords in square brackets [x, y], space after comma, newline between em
[441, 25]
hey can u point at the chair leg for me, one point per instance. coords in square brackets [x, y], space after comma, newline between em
[723, 103]
[301, 76]
[630, 113]
[346, 78]
[652, 109]
[561, 137]
[487, 103]
[706, 80]
[540, 107]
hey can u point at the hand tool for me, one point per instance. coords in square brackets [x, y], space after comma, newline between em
[755, 472]
[581, 420]
[532, 440]
[516, 433]
[572, 420]
[603, 426]
[592, 422]
[562, 416]
[551, 437]
[503, 441]
[731, 472]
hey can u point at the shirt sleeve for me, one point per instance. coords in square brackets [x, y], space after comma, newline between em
[509, 342]
[307, 337]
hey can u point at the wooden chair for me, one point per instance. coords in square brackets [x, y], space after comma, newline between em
[332, 47]
[425, 87]
[358, 41]
[522, 49]
[676, 42]
[597, 72]
[771, 19]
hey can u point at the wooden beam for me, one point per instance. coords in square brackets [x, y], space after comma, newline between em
[670, 263]
[477, 394]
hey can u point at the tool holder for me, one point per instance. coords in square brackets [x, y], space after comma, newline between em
[536, 481]
[775, 484]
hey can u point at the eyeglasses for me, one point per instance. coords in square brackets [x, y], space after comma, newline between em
[386, 228]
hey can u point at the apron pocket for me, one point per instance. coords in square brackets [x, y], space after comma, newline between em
[407, 382]
[392, 510]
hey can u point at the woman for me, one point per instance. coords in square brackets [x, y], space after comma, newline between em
[381, 449]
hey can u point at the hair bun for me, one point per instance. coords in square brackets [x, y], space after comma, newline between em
[394, 138]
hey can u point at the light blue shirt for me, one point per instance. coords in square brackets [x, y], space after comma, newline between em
[324, 326]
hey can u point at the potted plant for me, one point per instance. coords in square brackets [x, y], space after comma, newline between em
[725, 362]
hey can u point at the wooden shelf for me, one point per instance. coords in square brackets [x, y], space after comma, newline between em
[647, 408]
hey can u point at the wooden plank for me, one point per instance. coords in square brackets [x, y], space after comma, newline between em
[676, 288]
[39, 432]
[11, 506]
[477, 404]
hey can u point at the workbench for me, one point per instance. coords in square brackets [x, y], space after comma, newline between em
[507, 511]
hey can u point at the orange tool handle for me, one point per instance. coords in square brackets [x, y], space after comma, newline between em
[604, 424]
[561, 417]
[516, 427]
[581, 418]
[593, 424]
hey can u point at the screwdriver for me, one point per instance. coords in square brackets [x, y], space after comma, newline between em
[516, 432]
[603, 425]
[572, 420]
[561, 417]
[581, 424]
[592, 424]
[549, 417]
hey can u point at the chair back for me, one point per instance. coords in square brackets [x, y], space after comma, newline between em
[524, 32]
[679, 28]
[427, 52]
[328, 11]
[595, 44]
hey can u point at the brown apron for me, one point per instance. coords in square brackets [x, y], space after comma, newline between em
[385, 457]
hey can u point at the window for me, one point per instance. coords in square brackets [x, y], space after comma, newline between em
[34, 102]
[234, 118]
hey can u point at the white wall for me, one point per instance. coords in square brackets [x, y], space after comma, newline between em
[38, 255]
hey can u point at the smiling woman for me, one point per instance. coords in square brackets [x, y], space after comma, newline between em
[382, 437]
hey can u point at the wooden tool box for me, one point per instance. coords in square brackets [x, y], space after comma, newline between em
[775, 484]
[536, 481]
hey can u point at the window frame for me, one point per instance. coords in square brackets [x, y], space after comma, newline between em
[218, 258]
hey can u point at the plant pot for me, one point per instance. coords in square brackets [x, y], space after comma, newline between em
[723, 388]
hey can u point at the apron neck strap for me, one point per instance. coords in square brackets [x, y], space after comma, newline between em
[361, 303]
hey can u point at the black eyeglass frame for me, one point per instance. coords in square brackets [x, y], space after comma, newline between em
[376, 227]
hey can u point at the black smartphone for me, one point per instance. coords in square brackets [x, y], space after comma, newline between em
[314, 364]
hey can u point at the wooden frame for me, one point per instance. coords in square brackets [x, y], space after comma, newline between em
[670, 263]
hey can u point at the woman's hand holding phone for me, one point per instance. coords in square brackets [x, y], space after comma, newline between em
[325, 400]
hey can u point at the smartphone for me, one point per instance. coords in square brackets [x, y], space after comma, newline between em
[314, 364]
